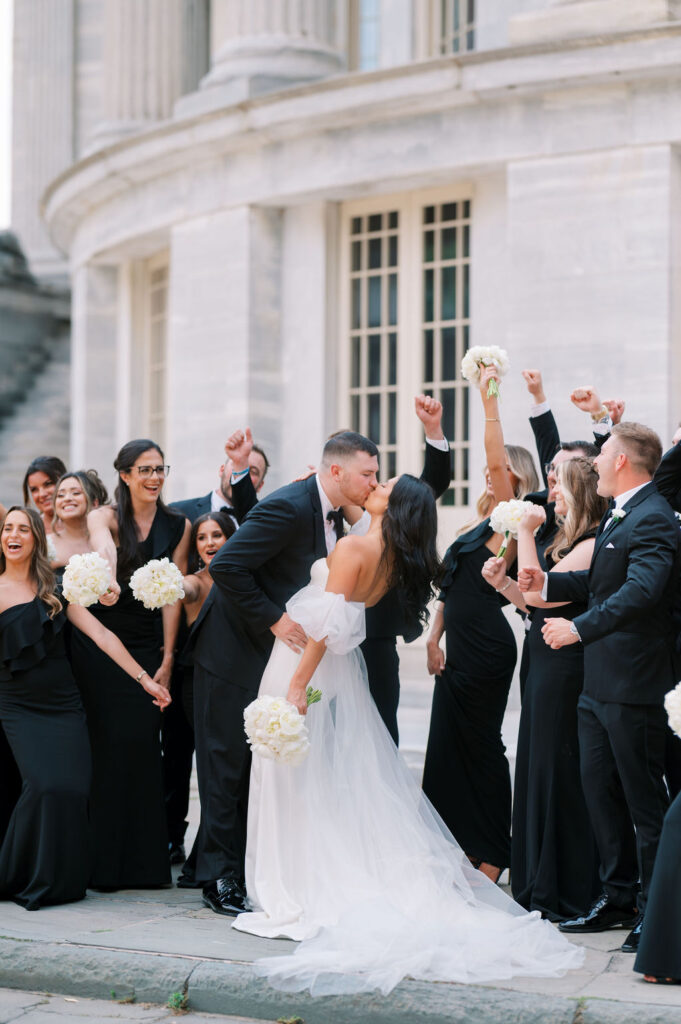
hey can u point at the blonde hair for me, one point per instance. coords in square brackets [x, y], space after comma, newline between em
[578, 480]
[40, 571]
[522, 467]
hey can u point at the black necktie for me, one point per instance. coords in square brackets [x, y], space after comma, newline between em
[336, 517]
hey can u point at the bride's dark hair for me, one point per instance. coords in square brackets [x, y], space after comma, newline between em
[409, 533]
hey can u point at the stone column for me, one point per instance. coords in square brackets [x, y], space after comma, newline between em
[154, 51]
[260, 46]
[572, 19]
[224, 341]
[42, 122]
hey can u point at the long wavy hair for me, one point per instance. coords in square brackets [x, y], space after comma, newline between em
[523, 468]
[39, 569]
[409, 530]
[585, 507]
[128, 537]
[94, 490]
[50, 465]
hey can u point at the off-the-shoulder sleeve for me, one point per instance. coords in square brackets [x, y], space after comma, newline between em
[27, 634]
[324, 615]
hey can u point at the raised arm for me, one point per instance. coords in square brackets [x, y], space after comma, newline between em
[495, 451]
[544, 428]
[437, 470]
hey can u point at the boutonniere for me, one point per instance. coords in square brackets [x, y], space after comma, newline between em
[617, 515]
[677, 514]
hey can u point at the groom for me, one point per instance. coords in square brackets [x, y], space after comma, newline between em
[255, 573]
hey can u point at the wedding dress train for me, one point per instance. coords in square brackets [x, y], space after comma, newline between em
[346, 854]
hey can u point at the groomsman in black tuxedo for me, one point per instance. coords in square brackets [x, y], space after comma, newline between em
[236, 492]
[629, 633]
[255, 573]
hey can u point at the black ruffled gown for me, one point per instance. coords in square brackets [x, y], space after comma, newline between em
[127, 802]
[554, 859]
[466, 775]
[45, 856]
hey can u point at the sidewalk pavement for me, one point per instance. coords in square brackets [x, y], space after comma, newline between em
[150, 944]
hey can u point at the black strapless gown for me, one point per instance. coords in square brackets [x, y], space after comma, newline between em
[45, 856]
[659, 950]
[127, 802]
[466, 775]
[554, 859]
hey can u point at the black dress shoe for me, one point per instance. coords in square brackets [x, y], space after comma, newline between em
[225, 896]
[602, 916]
[177, 854]
[630, 944]
[186, 880]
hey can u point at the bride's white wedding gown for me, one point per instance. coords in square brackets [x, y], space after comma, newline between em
[346, 854]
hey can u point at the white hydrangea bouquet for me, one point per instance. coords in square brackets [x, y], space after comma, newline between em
[485, 355]
[506, 519]
[86, 578]
[276, 730]
[157, 583]
[672, 703]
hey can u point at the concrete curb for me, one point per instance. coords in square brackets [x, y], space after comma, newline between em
[230, 987]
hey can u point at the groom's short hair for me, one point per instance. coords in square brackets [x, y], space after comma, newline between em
[641, 445]
[344, 444]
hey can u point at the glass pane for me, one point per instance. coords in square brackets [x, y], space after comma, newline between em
[392, 219]
[356, 315]
[464, 460]
[392, 299]
[448, 497]
[449, 244]
[158, 301]
[356, 255]
[392, 465]
[467, 208]
[392, 418]
[392, 359]
[158, 338]
[471, 12]
[466, 240]
[375, 253]
[374, 301]
[457, 22]
[470, 40]
[449, 211]
[392, 251]
[356, 225]
[466, 394]
[428, 246]
[429, 215]
[427, 356]
[447, 399]
[374, 375]
[428, 298]
[354, 413]
[355, 363]
[448, 292]
[448, 354]
[375, 222]
[455, 44]
[374, 429]
[466, 291]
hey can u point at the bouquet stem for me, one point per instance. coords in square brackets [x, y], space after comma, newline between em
[313, 696]
[504, 546]
[493, 389]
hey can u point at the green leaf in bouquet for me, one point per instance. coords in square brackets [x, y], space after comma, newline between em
[313, 696]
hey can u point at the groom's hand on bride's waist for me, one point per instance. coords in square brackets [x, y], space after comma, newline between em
[290, 632]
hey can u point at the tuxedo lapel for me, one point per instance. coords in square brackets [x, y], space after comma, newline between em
[317, 518]
[604, 534]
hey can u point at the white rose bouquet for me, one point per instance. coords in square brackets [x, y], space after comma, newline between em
[276, 730]
[506, 519]
[485, 355]
[86, 578]
[672, 703]
[157, 583]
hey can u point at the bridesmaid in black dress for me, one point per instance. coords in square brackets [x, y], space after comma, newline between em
[127, 804]
[76, 494]
[45, 855]
[39, 485]
[554, 860]
[659, 950]
[466, 774]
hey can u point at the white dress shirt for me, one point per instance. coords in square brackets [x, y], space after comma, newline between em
[329, 529]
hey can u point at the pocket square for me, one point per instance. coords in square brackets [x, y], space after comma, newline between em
[610, 546]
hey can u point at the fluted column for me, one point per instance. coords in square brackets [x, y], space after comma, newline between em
[154, 51]
[570, 19]
[260, 46]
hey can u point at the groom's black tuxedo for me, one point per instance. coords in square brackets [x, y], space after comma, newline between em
[629, 632]
[255, 572]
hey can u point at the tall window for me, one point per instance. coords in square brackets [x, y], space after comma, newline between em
[443, 26]
[157, 319]
[406, 324]
[364, 34]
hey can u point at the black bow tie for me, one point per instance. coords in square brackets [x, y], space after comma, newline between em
[336, 517]
[228, 509]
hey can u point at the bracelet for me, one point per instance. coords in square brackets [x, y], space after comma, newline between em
[492, 419]
[138, 679]
[600, 416]
[240, 472]
[506, 585]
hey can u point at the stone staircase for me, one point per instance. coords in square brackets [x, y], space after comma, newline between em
[37, 422]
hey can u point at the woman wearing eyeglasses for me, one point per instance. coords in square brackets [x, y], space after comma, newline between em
[127, 805]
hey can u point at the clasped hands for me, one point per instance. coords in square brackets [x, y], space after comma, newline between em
[556, 632]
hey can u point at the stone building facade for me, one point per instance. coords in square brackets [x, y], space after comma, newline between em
[298, 215]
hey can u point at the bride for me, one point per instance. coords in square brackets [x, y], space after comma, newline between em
[345, 854]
